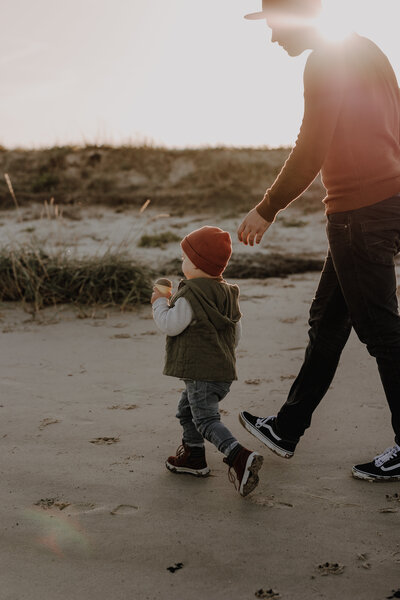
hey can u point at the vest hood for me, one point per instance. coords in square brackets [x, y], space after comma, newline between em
[218, 299]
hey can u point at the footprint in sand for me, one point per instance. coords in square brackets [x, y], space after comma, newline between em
[122, 406]
[124, 509]
[258, 380]
[289, 320]
[121, 336]
[269, 502]
[73, 509]
[393, 497]
[396, 556]
[47, 422]
[49, 503]
[81, 508]
[330, 569]
[267, 594]
[176, 567]
[364, 561]
[105, 440]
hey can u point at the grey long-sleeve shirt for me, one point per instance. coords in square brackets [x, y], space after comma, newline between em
[172, 321]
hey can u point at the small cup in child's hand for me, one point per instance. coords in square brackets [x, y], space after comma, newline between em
[163, 285]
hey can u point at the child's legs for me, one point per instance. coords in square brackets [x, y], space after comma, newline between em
[203, 398]
[190, 436]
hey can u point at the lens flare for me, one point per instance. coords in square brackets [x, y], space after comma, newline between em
[336, 20]
[57, 532]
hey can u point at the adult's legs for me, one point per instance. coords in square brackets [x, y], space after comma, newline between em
[357, 287]
[330, 328]
[363, 255]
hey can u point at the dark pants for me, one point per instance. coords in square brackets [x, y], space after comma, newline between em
[357, 289]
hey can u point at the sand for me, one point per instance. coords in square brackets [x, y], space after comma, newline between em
[88, 509]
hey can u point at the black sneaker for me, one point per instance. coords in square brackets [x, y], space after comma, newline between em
[264, 430]
[384, 467]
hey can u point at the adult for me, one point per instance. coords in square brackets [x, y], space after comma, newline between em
[351, 133]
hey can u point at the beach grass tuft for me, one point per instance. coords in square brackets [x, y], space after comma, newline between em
[39, 279]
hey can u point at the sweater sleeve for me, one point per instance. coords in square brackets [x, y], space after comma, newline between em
[323, 92]
[172, 321]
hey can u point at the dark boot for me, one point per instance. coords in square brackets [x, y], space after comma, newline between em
[246, 465]
[189, 459]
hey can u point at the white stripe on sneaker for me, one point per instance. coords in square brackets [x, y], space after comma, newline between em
[397, 466]
[266, 423]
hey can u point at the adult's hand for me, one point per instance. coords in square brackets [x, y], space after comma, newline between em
[252, 228]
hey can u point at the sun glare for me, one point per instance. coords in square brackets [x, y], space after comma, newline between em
[337, 20]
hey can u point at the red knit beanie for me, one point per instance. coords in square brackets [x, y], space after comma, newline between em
[209, 249]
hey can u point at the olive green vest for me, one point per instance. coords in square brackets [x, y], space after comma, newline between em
[205, 350]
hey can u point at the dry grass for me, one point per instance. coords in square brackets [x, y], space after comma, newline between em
[260, 266]
[158, 240]
[62, 180]
[218, 178]
[38, 279]
[30, 275]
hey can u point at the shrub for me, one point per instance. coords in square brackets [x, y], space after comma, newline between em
[33, 276]
[158, 240]
[46, 182]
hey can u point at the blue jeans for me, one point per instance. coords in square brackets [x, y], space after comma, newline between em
[198, 413]
[357, 289]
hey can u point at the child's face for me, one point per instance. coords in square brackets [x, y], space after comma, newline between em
[189, 270]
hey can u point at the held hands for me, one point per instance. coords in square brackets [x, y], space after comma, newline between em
[252, 228]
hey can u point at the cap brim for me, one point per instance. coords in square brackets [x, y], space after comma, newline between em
[255, 16]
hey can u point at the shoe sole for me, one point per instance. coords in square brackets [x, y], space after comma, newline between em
[250, 478]
[267, 442]
[185, 471]
[373, 478]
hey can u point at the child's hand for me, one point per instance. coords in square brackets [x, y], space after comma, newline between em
[157, 294]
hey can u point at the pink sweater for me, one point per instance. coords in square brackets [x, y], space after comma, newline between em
[350, 131]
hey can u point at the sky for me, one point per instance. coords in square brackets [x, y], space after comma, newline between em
[176, 73]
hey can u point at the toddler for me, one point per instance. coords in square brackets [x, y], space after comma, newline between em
[202, 324]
